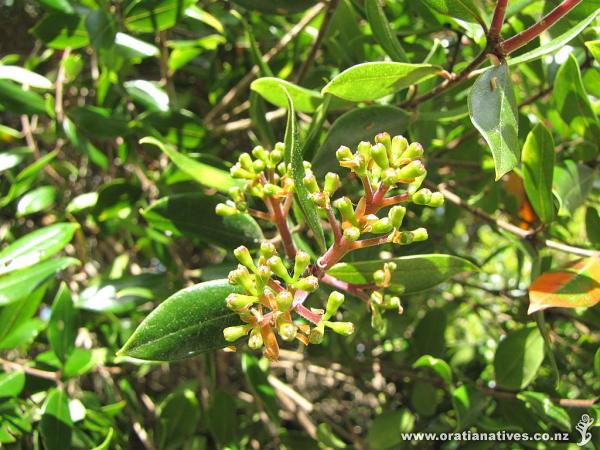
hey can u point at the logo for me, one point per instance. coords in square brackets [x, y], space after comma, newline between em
[584, 424]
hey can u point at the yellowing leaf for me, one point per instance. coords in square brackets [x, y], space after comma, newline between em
[575, 286]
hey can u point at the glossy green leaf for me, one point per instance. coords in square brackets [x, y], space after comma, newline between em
[518, 358]
[382, 31]
[193, 12]
[189, 322]
[373, 80]
[23, 335]
[305, 100]
[592, 225]
[538, 169]
[193, 214]
[294, 156]
[262, 389]
[357, 125]
[60, 31]
[493, 111]
[11, 384]
[575, 286]
[13, 315]
[555, 44]
[15, 99]
[413, 274]
[572, 184]
[21, 283]
[105, 444]
[202, 173]
[594, 48]
[327, 437]
[438, 365]
[148, 94]
[36, 246]
[25, 77]
[541, 404]
[178, 417]
[59, 5]
[56, 425]
[460, 9]
[145, 16]
[13, 157]
[101, 29]
[36, 200]
[132, 47]
[384, 431]
[62, 327]
[101, 122]
[282, 7]
[469, 403]
[572, 102]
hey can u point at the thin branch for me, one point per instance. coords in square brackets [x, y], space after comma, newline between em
[59, 87]
[356, 290]
[46, 375]
[165, 73]
[497, 20]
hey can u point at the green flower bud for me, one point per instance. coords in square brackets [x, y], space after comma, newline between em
[246, 162]
[344, 206]
[264, 274]
[280, 146]
[403, 238]
[236, 194]
[393, 302]
[237, 171]
[382, 226]
[242, 254]
[225, 210]
[351, 233]
[399, 144]
[376, 298]
[308, 284]
[411, 171]
[284, 300]
[320, 199]
[275, 157]
[279, 269]
[390, 176]
[420, 234]
[317, 333]
[332, 183]
[396, 215]
[311, 183]
[335, 300]
[385, 139]
[273, 190]
[364, 149]
[282, 168]
[414, 151]
[379, 154]
[256, 341]
[379, 277]
[437, 200]
[267, 249]
[258, 165]
[240, 301]
[421, 197]
[242, 277]
[287, 331]
[301, 262]
[260, 153]
[343, 153]
[234, 333]
[343, 328]
[377, 321]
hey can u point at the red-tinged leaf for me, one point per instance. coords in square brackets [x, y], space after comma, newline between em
[575, 286]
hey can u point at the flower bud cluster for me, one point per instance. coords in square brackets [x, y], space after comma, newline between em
[380, 301]
[265, 175]
[266, 305]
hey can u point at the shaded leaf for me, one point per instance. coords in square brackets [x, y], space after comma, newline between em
[148, 16]
[574, 286]
[469, 404]
[518, 358]
[178, 417]
[13, 315]
[493, 111]
[257, 379]
[438, 365]
[572, 183]
[62, 327]
[61, 31]
[101, 29]
[282, 7]
[189, 322]
[383, 32]
[373, 80]
[538, 167]
[461, 9]
[15, 99]
[592, 225]
[305, 100]
[541, 404]
[56, 426]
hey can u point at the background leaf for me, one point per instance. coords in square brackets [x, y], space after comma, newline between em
[383, 32]
[538, 168]
[305, 100]
[56, 426]
[518, 358]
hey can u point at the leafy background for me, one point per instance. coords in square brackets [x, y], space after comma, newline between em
[98, 228]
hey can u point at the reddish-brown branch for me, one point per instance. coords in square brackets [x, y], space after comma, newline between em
[260, 214]
[380, 240]
[335, 226]
[353, 289]
[517, 41]
[367, 186]
[497, 20]
[283, 228]
[400, 198]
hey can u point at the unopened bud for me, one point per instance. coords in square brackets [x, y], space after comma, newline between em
[234, 333]
[421, 197]
[411, 171]
[343, 153]
[437, 200]
[244, 279]
[320, 199]
[390, 176]
[351, 234]
[396, 215]
[382, 226]
[344, 206]
[364, 149]
[343, 328]
[284, 300]
[317, 333]
[240, 301]
[379, 154]
[242, 254]
[420, 234]
[332, 183]
[260, 153]
[279, 269]
[273, 190]
[414, 151]
[334, 301]
[311, 183]
[301, 262]
[385, 139]
[287, 331]
[237, 171]
[236, 194]
[275, 157]
[246, 162]
[267, 249]
[256, 341]
[225, 210]
[379, 277]
[393, 302]
[264, 274]
[308, 284]
[399, 144]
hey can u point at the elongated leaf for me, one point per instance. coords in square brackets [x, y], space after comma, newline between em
[360, 124]
[105, 444]
[11, 384]
[193, 12]
[594, 48]
[56, 425]
[132, 47]
[469, 402]
[461, 9]
[546, 409]
[147, 93]
[518, 358]
[194, 215]
[61, 31]
[59, 5]
[62, 327]
[572, 184]
[20, 283]
[13, 315]
[14, 98]
[25, 77]
[101, 29]
[574, 286]
[493, 111]
[555, 44]
[202, 173]
[305, 100]
[373, 80]
[13, 157]
[413, 274]
[592, 225]
[383, 32]
[189, 322]
[36, 200]
[294, 155]
[101, 122]
[178, 417]
[538, 168]
[438, 365]
[572, 101]
[149, 16]
[23, 335]
[36, 246]
[262, 389]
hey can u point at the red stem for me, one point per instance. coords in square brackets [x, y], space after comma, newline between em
[367, 186]
[335, 226]
[308, 314]
[400, 198]
[517, 41]
[497, 20]
[353, 289]
[371, 242]
[335, 253]
[282, 227]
